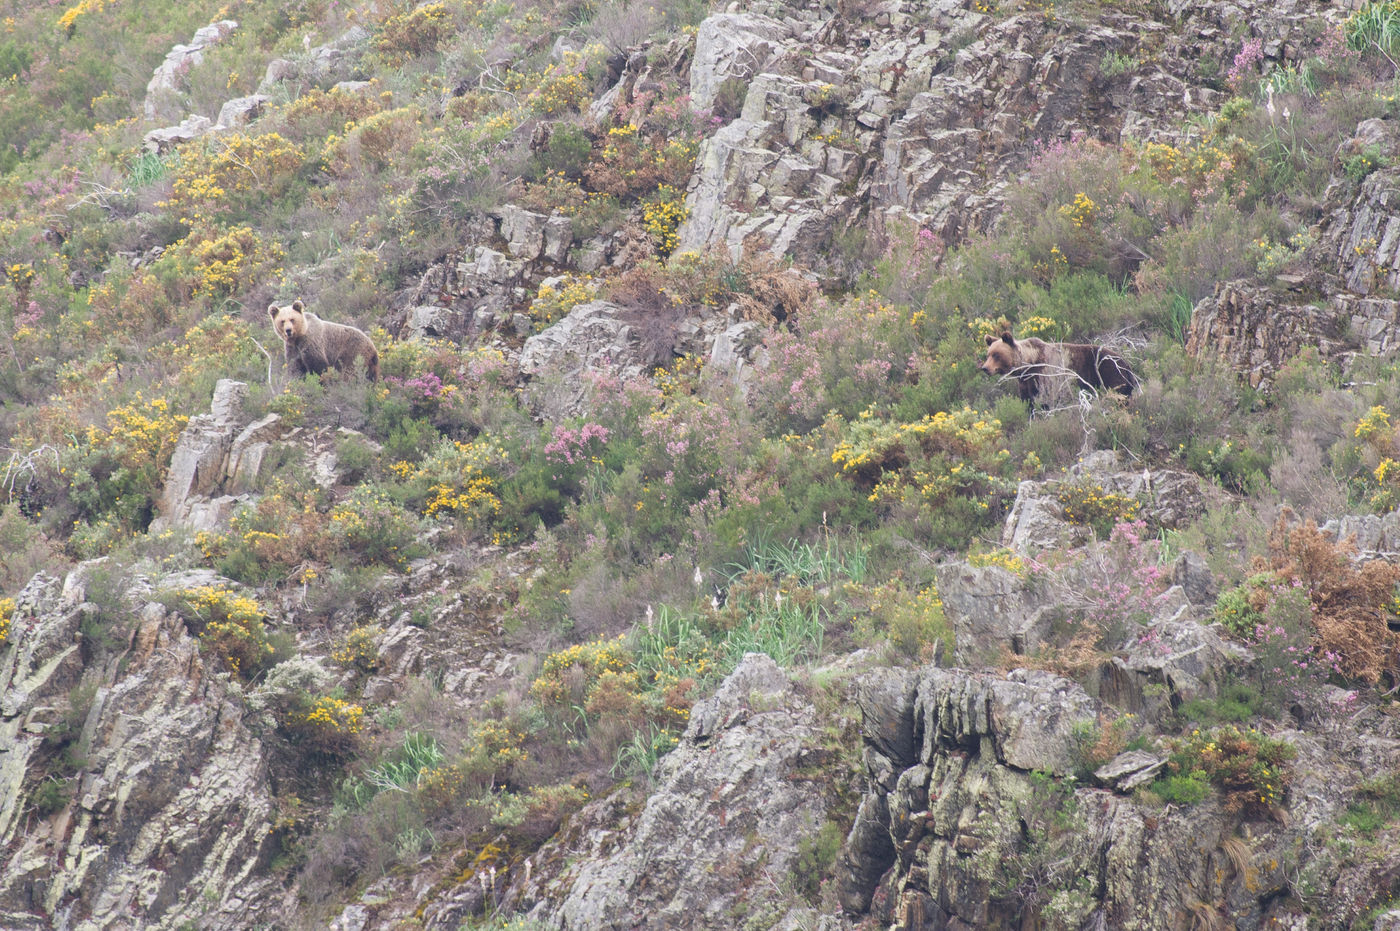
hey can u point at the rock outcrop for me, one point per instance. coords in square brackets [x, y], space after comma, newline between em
[219, 460]
[715, 843]
[140, 753]
[987, 830]
[163, 91]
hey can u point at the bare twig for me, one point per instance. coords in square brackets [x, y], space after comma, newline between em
[20, 463]
[269, 360]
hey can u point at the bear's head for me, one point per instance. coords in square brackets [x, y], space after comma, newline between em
[290, 321]
[1003, 355]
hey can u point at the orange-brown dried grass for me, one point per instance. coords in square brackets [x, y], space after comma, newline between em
[1350, 602]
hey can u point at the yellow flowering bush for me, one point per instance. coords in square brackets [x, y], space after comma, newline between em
[325, 725]
[1201, 168]
[944, 471]
[415, 32]
[1081, 212]
[999, 556]
[1374, 460]
[634, 162]
[269, 540]
[874, 447]
[662, 216]
[1088, 504]
[917, 626]
[68, 22]
[232, 174]
[118, 471]
[368, 528]
[7, 614]
[562, 88]
[552, 302]
[229, 625]
[461, 481]
[219, 265]
[554, 684]
[359, 649]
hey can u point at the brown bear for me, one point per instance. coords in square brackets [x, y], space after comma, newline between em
[313, 344]
[1040, 367]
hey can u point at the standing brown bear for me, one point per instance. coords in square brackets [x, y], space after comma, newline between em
[1040, 367]
[313, 344]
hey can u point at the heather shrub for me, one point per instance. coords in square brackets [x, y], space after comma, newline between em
[830, 357]
[1107, 592]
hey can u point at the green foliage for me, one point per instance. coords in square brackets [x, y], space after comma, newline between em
[1249, 767]
[1237, 703]
[1374, 28]
[1375, 807]
[1240, 609]
[816, 857]
[50, 796]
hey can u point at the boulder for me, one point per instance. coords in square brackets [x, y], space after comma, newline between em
[160, 141]
[241, 111]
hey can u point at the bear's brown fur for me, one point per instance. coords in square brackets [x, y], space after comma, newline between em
[314, 345]
[1039, 367]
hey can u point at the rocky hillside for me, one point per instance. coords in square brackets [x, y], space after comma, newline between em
[681, 569]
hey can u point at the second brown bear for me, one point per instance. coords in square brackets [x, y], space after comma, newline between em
[314, 345]
[1040, 368]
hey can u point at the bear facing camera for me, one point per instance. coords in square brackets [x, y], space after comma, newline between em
[314, 345]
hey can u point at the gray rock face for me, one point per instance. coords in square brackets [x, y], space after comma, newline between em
[982, 831]
[920, 113]
[198, 465]
[535, 235]
[1024, 720]
[1257, 330]
[1372, 535]
[728, 810]
[170, 793]
[731, 47]
[163, 91]
[992, 611]
[595, 336]
[1127, 771]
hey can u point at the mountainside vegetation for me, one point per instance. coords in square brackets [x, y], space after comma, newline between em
[600, 549]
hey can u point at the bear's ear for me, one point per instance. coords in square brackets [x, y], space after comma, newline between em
[298, 306]
[272, 310]
[991, 339]
[1008, 340]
